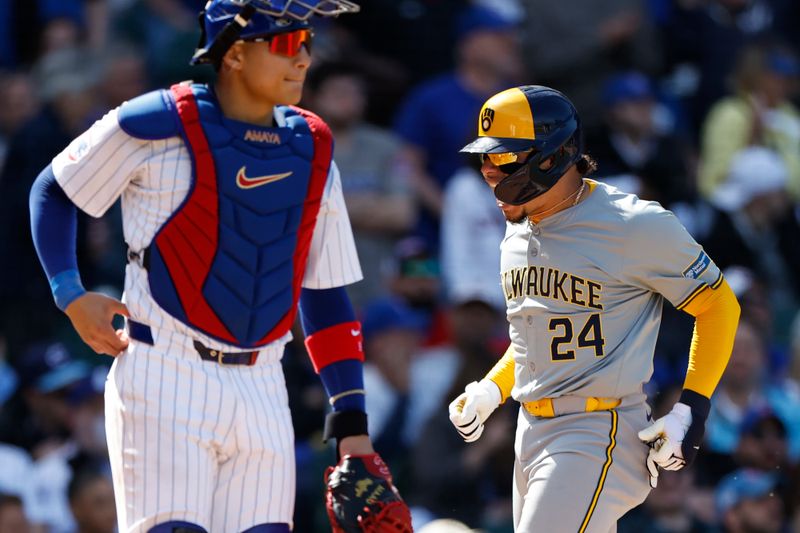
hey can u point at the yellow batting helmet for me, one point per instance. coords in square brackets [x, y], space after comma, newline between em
[530, 117]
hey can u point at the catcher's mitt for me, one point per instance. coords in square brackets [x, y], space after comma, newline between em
[360, 497]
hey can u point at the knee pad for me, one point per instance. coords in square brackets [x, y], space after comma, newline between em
[176, 526]
[269, 528]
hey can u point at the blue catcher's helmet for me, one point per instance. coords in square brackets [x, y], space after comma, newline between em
[223, 22]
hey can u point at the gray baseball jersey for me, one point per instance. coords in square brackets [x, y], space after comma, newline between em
[584, 290]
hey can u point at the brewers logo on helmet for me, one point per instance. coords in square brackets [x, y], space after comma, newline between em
[528, 118]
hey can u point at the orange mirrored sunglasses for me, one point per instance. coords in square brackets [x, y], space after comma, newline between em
[504, 158]
[287, 44]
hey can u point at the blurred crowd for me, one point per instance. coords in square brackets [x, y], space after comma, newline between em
[693, 103]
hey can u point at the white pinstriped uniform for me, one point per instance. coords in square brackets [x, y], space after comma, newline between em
[190, 439]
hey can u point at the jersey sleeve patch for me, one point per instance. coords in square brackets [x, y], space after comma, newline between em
[700, 265]
[78, 149]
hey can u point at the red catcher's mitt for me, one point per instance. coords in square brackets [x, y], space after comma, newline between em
[360, 497]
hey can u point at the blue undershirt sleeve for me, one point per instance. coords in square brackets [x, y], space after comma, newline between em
[54, 223]
[323, 308]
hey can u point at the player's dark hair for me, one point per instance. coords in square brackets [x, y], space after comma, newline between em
[586, 165]
[318, 75]
[9, 499]
[81, 478]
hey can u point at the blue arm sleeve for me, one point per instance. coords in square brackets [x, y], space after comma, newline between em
[54, 223]
[320, 309]
[323, 308]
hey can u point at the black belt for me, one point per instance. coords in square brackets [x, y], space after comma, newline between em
[142, 333]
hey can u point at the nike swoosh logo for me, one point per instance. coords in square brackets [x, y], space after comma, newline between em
[355, 332]
[243, 182]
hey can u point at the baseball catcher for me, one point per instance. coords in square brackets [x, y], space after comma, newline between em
[236, 224]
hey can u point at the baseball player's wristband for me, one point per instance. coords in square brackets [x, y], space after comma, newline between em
[699, 404]
[66, 287]
[335, 343]
[341, 424]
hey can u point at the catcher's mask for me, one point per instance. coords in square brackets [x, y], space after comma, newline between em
[223, 22]
[533, 119]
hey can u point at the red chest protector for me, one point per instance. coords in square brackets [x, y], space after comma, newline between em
[231, 259]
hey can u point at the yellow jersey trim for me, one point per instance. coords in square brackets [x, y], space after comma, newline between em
[695, 293]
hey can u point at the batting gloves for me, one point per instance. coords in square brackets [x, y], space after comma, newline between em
[470, 410]
[675, 438]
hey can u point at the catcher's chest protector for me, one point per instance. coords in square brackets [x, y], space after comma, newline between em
[230, 260]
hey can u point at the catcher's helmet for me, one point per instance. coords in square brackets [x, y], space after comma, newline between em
[530, 117]
[223, 22]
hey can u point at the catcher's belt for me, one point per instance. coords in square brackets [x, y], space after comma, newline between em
[565, 405]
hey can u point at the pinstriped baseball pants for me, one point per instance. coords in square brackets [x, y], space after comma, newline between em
[197, 441]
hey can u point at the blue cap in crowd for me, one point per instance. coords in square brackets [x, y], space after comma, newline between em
[626, 87]
[753, 421]
[48, 367]
[479, 18]
[386, 314]
[743, 484]
[783, 64]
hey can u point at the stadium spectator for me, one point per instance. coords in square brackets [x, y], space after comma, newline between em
[762, 443]
[668, 509]
[58, 424]
[747, 501]
[636, 150]
[750, 222]
[455, 480]
[472, 228]
[413, 274]
[166, 31]
[65, 80]
[378, 200]
[703, 39]
[744, 387]
[759, 113]
[575, 46]
[438, 117]
[91, 499]
[396, 410]
[12, 515]
[18, 104]
[407, 33]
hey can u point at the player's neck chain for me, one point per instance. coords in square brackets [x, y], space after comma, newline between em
[577, 195]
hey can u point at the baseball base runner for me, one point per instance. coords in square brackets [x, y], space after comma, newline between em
[585, 269]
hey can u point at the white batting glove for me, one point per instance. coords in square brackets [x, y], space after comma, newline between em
[470, 410]
[665, 437]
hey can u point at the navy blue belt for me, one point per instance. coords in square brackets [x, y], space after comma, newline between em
[142, 333]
